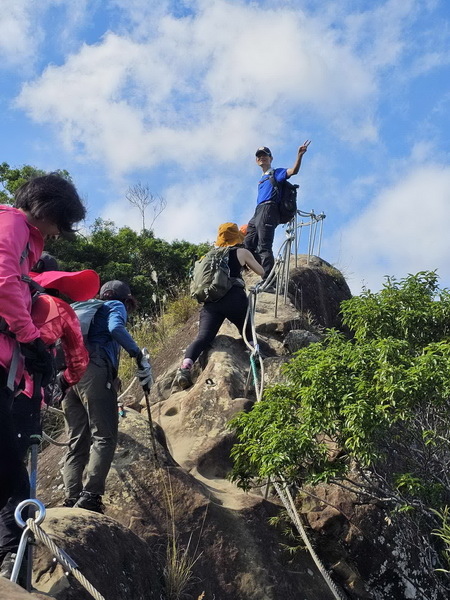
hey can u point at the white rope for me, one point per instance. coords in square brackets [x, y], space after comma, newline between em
[47, 438]
[63, 558]
[288, 503]
[133, 381]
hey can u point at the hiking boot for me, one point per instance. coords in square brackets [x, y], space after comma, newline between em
[7, 568]
[8, 565]
[184, 378]
[69, 502]
[90, 501]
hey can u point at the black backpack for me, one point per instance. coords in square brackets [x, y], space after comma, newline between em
[286, 198]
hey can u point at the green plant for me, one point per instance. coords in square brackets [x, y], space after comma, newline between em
[179, 559]
[443, 532]
[153, 333]
[371, 413]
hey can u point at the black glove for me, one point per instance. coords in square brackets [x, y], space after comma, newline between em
[55, 392]
[144, 372]
[62, 383]
[139, 358]
[38, 360]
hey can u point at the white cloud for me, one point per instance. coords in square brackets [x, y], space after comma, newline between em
[22, 28]
[214, 76]
[404, 230]
[20, 35]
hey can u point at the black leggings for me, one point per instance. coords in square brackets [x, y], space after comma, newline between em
[24, 421]
[233, 306]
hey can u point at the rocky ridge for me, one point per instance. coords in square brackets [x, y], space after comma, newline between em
[185, 495]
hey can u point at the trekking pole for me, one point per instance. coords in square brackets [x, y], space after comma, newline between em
[35, 439]
[149, 414]
[152, 433]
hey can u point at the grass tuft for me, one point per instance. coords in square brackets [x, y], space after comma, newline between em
[179, 560]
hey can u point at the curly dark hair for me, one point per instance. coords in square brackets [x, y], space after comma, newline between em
[51, 197]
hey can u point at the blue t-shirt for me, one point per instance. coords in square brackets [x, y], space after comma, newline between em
[266, 191]
[108, 331]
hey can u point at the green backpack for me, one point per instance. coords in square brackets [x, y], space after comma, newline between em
[211, 277]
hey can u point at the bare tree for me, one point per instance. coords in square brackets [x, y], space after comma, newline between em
[141, 197]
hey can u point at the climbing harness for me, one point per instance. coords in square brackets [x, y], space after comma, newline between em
[32, 527]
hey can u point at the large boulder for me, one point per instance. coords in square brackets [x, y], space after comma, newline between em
[115, 561]
[316, 289]
[220, 530]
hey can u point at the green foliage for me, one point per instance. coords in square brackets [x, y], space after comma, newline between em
[153, 333]
[443, 532]
[156, 270]
[386, 388]
[12, 179]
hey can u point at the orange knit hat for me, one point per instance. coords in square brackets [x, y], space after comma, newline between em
[229, 235]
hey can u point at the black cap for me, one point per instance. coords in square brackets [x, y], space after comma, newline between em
[47, 262]
[263, 150]
[115, 290]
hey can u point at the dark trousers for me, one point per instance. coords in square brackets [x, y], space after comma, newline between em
[260, 234]
[233, 306]
[9, 451]
[92, 422]
[25, 421]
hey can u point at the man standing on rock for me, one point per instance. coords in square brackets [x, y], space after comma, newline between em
[261, 227]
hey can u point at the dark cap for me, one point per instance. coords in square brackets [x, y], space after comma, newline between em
[47, 262]
[115, 290]
[263, 150]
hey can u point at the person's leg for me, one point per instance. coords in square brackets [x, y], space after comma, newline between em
[266, 222]
[236, 308]
[77, 456]
[10, 463]
[100, 398]
[251, 237]
[209, 324]
[23, 416]
[10, 532]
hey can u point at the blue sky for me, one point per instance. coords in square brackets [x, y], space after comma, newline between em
[178, 95]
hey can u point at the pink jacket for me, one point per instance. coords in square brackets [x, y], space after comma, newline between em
[17, 238]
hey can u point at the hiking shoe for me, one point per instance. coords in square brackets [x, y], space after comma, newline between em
[184, 378]
[7, 566]
[90, 501]
[69, 502]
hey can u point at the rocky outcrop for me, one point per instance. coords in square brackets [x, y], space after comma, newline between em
[184, 495]
[317, 289]
[111, 557]
[12, 591]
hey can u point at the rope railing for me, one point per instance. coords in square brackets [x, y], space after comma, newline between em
[288, 502]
